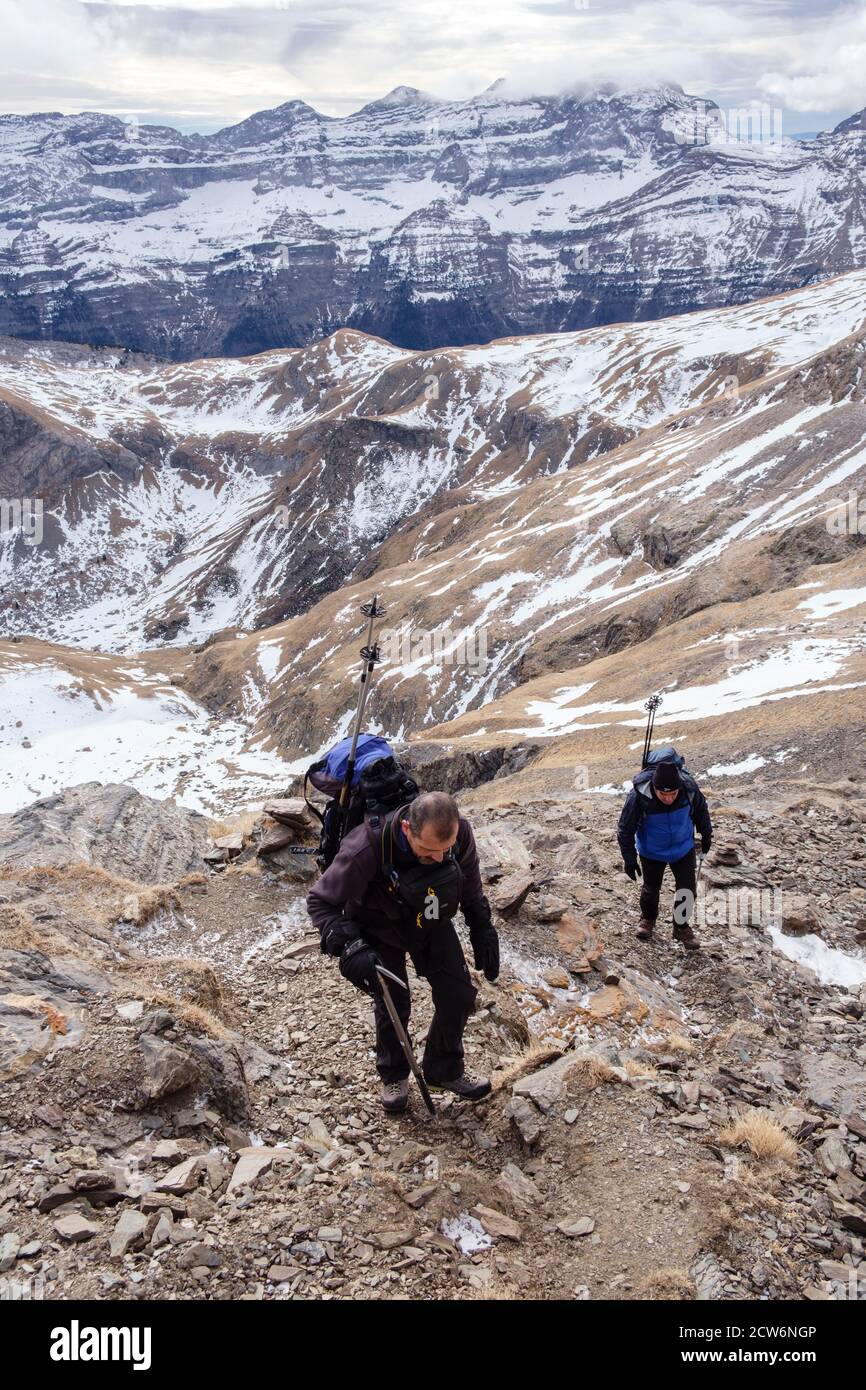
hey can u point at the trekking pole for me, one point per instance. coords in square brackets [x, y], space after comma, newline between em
[370, 654]
[402, 1035]
[651, 706]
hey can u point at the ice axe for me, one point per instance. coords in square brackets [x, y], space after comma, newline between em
[384, 976]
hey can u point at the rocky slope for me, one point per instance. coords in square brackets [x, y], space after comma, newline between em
[181, 500]
[189, 1104]
[426, 222]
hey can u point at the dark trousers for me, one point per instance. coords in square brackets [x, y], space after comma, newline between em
[683, 871]
[441, 961]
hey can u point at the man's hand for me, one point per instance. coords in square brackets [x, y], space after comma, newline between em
[485, 948]
[630, 869]
[705, 846]
[358, 965]
[337, 938]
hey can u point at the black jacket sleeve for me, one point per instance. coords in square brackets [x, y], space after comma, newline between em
[701, 815]
[345, 880]
[473, 903]
[625, 831]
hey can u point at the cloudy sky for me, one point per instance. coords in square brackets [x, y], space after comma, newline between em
[202, 64]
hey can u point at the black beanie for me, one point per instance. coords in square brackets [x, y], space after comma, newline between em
[666, 777]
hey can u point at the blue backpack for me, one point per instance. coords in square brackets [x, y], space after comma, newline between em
[379, 784]
[666, 755]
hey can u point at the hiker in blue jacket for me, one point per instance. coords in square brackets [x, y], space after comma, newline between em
[662, 812]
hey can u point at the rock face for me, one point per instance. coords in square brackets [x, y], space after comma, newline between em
[113, 827]
[424, 222]
[440, 767]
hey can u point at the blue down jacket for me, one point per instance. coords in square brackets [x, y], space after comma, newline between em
[665, 833]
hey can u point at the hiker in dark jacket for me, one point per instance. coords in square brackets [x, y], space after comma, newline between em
[361, 919]
[658, 822]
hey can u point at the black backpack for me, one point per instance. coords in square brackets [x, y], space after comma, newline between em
[379, 785]
[426, 893]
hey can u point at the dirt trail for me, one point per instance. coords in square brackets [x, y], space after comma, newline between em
[605, 1175]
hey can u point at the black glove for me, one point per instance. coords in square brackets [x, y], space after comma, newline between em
[705, 846]
[630, 869]
[358, 965]
[485, 948]
[337, 938]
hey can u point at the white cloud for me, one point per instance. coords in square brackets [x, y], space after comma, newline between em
[830, 75]
[215, 61]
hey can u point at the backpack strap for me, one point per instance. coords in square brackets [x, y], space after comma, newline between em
[383, 838]
[315, 810]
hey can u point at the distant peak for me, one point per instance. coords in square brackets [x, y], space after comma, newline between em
[402, 96]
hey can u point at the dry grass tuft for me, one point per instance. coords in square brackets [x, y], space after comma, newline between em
[591, 1072]
[668, 1285]
[251, 868]
[530, 1058]
[197, 1019]
[761, 1133]
[188, 988]
[97, 898]
[677, 1042]
[244, 821]
[18, 932]
[641, 1070]
[142, 905]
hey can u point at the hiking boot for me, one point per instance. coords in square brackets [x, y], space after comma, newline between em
[395, 1096]
[686, 937]
[466, 1087]
[645, 929]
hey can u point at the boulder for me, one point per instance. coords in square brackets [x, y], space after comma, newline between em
[168, 1068]
[224, 1080]
[577, 938]
[111, 826]
[274, 839]
[525, 1120]
[510, 894]
[10, 1245]
[519, 1187]
[232, 844]
[75, 1228]
[577, 856]
[548, 1085]
[298, 868]
[497, 1224]
[128, 1234]
[576, 1226]
[549, 908]
[252, 1162]
[183, 1177]
[834, 1083]
[799, 917]
[293, 813]
[501, 851]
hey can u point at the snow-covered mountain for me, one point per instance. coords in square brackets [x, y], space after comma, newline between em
[179, 500]
[425, 222]
[556, 525]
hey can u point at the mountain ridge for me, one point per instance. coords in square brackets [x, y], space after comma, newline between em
[426, 225]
